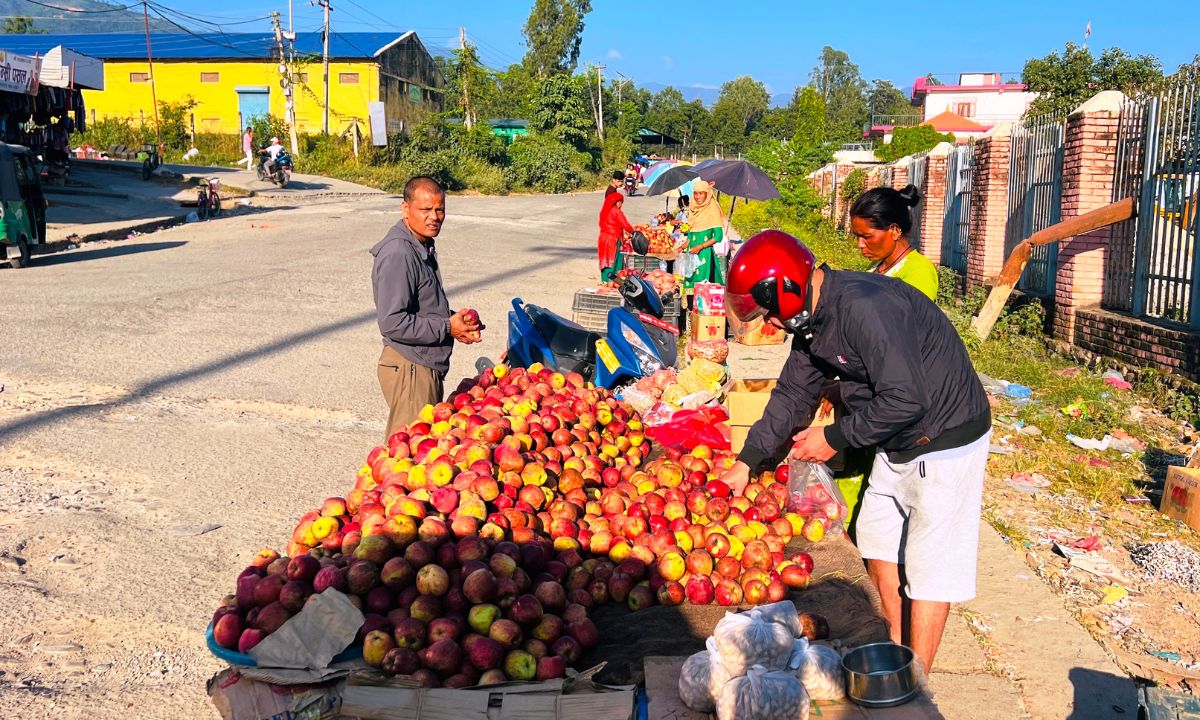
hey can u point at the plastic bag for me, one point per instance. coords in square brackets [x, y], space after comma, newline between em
[815, 497]
[782, 613]
[686, 429]
[638, 400]
[702, 679]
[746, 639]
[685, 264]
[701, 374]
[763, 695]
[819, 669]
[716, 351]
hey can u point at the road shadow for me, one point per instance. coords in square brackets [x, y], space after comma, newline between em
[564, 251]
[104, 252]
[294, 185]
[1100, 695]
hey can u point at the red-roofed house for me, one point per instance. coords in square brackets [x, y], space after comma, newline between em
[952, 122]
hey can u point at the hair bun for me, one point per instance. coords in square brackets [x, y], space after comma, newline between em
[911, 195]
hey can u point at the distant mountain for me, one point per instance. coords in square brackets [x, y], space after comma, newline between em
[46, 20]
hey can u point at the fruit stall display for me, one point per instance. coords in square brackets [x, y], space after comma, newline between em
[663, 282]
[480, 538]
[665, 240]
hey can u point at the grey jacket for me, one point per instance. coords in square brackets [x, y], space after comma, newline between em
[410, 303]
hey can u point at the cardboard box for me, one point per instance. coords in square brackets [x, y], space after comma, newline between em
[1181, 496]
[758, 332]
[710, 299]
[748, 399]
[737, 437]
[706, 328]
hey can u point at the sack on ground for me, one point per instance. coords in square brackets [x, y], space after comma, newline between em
[763, 695]
[702, 679]
[819, 668]
[748, 639]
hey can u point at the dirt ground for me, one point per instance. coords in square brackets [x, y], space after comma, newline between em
[172, 403]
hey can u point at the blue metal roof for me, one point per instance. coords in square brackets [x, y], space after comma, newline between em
[195, 46]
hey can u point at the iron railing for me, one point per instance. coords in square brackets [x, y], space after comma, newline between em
[1035, 197]
[1166, 266]
[918, 174]
[906, 120]
[956, 225]
[1127, 182]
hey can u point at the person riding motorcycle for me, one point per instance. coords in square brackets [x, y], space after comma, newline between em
[270, 154]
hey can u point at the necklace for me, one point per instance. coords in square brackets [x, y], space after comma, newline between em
[882, 269]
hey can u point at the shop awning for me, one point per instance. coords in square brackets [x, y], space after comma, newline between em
[646, 136]
[64, 68]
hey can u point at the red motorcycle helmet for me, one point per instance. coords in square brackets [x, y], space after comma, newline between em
[770, 276]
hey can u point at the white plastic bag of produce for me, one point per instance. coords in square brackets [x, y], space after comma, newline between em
[746, 639]
[782, 613]
[702, 678]
[819, 668]
[763, 695]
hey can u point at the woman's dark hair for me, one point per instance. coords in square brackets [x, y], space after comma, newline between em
[884, 207]
[618, 175]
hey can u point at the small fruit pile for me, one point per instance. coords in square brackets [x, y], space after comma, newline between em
[821, 512]
[662, 281]
[479, 538]
[664, 239]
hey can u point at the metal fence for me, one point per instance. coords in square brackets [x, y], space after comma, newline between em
[1035, 197]
[956, 225]
[918, 174]
[1154, 263]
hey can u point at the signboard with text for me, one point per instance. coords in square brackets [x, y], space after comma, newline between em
[19, 73]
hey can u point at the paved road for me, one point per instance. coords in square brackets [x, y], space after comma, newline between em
[223, 374]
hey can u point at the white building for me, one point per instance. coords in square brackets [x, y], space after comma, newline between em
[982, 98]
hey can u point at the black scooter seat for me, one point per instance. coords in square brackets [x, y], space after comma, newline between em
[566, 338]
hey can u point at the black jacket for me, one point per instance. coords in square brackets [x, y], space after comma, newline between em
[907, 384]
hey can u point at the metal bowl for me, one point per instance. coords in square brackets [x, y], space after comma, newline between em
[881, 675]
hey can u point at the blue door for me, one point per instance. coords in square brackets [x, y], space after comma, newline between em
[253, 102]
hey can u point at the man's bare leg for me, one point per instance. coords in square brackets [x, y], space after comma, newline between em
[886, 576]
[927, 621]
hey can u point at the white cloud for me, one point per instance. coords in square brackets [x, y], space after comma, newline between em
[668, 62]
[702, 86]
[614, 54]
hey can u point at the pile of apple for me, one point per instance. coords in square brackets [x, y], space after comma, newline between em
[479, 538]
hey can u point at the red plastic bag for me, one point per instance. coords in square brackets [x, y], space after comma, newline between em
[688, 428]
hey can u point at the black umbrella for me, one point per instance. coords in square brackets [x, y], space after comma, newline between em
[670, 179]
[740, 179]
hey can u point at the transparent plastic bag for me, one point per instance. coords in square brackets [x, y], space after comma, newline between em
[702, 679]
[782, 613]
[685, 264]
[814, 496]
[747, 639]
[638, 400]
[763, 695]
[819, 669]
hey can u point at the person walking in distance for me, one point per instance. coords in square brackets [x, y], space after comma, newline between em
[418, 328]
[248, 147]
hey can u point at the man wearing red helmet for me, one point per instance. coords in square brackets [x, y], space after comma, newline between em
[909, 391]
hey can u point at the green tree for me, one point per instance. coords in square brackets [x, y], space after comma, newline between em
[885, 98]
[697, 129]
[1065, 81]
[839, 83]
[1188, 72]
[19, 25]
[808, 108]
[739, 109]
[468, 84]
[909, 140]
[664, 112]
[553, 34]
[561, 110]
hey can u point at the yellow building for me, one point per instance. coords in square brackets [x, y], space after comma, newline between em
[235, 77]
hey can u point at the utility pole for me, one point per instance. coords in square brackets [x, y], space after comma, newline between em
[150, 62]
[325, 55]
[623, 80]
[600, 95]
[468, 115]
[288, 81]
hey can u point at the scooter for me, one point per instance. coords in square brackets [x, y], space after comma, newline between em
[282, 172]
[635, 343]
[630, 185]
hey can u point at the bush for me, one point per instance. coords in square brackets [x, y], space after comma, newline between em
[826, 242]
[478, 175]
[545, 164]
[105, 133]
[853, 186]
[173, 123]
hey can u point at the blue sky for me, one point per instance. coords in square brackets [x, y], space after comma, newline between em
[703, 43]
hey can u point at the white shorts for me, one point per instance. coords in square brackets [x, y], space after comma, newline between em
[924, 515]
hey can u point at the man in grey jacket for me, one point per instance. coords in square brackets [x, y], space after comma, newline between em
[414, 316]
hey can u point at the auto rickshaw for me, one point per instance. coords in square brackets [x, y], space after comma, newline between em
[22, 205]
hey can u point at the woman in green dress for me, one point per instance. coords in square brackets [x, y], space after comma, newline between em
[706, 230]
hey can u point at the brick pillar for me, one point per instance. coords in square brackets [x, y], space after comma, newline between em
[1089, 158]
[989, 206]
[933, 207]
[843, 171]
[900, 173]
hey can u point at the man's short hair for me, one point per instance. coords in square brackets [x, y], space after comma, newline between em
[618, 175]
[422, 182]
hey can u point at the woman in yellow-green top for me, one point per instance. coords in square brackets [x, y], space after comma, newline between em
[881, 219]
[706, 229]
